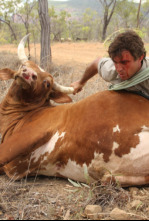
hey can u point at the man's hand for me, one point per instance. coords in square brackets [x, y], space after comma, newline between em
[90, 71]
[77, 87]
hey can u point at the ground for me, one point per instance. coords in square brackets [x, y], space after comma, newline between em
[44, 198]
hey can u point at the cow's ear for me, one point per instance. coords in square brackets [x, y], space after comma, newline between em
[6, 74]
[59, 97]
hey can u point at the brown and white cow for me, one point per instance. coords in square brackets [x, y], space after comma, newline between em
[105, 135]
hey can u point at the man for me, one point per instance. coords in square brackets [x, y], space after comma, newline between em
[127, 58]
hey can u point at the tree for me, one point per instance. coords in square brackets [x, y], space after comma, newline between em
[144, 14]
[45, 56]
[125, 14]
[90, 24]
[7, 9]
[138, 14]
[25, 15]
[59, 26]
[109, 7]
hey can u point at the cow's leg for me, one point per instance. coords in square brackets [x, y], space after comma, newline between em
[126, 181]
[133, 180]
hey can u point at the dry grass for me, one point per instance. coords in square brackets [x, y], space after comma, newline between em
[9, 60]
[109, 195]
[42, 198]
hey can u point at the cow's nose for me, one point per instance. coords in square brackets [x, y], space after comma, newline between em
[34, 77]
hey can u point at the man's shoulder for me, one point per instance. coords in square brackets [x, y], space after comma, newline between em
[146, 62]
[106, 69]
[106, 61]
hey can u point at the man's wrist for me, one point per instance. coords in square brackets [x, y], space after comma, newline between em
[82, 82]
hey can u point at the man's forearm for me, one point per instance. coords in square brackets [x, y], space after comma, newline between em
[90, 71]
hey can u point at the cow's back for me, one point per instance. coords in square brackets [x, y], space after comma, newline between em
[102, 133]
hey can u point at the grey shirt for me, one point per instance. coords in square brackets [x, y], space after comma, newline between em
[107, 71]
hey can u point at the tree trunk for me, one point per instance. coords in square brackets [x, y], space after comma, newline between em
[109, 7]
[10, 27]
[138, 15]
[45, 56]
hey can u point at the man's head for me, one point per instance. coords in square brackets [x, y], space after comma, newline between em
[127, 52]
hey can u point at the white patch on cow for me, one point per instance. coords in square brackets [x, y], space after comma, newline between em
[44, 159]
[142, 149]
[144, 128]
[71, 170]
[74, 171]
[115, 146]
[47, 148]
[134, 163]
[116, 129]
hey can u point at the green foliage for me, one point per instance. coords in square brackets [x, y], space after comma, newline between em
[90, 23]
[2, 38]
[59, 23]
[18, 18]
[141, 32]
[126, 12]
[110, 38]
[65, 23]
[9, 7]
[86, 27]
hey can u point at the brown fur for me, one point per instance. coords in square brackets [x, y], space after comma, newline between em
[85, 123]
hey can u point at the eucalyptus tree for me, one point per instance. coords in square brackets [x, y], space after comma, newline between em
[27, 14]
[108, 8]
[138, 14]
[125, 14]
[144, 14]
[45, 55]
[7, 10]
[59, 24]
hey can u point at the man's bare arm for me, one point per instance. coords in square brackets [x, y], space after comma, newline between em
[90, 71]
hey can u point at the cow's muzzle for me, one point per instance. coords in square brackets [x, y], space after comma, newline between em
[26, 74]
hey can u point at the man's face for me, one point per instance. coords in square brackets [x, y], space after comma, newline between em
[126, 66]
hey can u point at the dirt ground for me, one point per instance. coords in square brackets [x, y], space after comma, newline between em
[44, 198]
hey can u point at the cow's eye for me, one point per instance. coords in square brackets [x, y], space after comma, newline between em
[46, 83]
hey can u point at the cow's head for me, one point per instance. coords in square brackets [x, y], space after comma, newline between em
[32, 83]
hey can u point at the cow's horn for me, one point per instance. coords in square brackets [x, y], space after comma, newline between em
[21, 52]
[66, 90]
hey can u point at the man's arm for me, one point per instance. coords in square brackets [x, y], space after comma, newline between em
[90, 71]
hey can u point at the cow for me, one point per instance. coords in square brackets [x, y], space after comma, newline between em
[103, 137]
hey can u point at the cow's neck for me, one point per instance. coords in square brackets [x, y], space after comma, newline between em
[13, 110]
